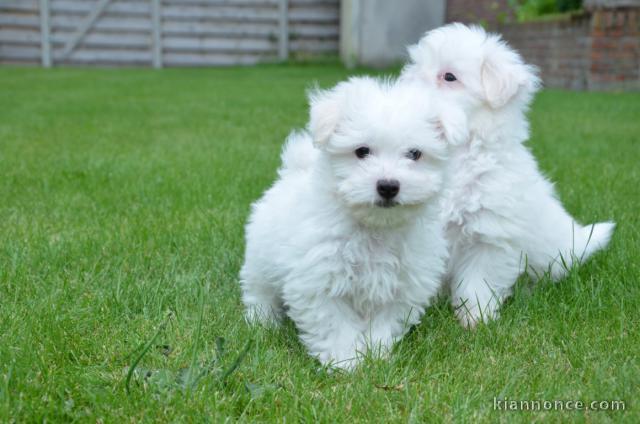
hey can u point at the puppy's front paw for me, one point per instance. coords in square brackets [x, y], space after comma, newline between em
[344, 364]
[345, 360]
[470, 315]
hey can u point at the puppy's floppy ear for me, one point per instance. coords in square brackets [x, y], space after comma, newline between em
[504, 74]
[326, 108]
[453, 123]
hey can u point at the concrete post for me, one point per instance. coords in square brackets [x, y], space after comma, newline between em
[376, 32]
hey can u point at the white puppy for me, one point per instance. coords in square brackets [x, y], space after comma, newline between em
[348, 242]
[503, 214]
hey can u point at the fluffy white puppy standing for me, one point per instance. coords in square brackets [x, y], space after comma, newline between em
[348, 242]
[503, 214]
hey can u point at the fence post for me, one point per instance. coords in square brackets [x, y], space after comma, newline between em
[45, 32]
[156, 28]
[283, 39]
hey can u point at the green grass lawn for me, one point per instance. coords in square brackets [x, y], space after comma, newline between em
[124, 194]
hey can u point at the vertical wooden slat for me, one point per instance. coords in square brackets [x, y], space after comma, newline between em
[156, 28]
[45, 33]
[283, 44]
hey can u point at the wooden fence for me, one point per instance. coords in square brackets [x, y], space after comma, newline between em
[165, 32]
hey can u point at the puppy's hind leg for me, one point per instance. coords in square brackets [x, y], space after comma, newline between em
[482, 277]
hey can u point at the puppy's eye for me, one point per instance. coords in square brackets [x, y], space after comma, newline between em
[362, 152]
[414, 154]
[449, 77]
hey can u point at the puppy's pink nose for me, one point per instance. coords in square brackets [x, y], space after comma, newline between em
[388, 189]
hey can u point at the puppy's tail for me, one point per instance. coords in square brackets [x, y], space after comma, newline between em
[585, 242]
[592, 238]
[298, 153]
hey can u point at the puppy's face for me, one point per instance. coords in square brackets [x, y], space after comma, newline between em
[471, 67]
[383, 148]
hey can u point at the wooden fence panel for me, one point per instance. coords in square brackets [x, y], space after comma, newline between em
[314, 27]
[20, 35]
[165, 32]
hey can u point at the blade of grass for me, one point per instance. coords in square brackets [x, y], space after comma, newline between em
[236, 363]
[193, 378]
[144, 351]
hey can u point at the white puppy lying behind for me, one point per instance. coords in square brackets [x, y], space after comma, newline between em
[503, 214]
[348, 242]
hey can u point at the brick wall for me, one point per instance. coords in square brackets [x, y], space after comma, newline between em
[560, 48]
[615, 48]
[595, 49]
[592, 50]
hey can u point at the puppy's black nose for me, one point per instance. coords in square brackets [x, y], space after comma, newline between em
[388, 189]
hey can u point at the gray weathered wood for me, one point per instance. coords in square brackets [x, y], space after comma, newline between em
[323, 3]
[31, 22]
[30, 53]
[216, 3]
[131, 57]
[312, 30]
[221, 13]
[316, 14]
[18, 6]
[240, 45]
[123, 8]
[12, 36]
[105, 40]
[156, 26]
[283, 39]
[313, 45]
[106, 23]
[211, 59]
[45, 32]
[228, 29]
[192, 32]
[86, 25]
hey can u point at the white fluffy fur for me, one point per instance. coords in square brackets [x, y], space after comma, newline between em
[351, 274]
[502, 213]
